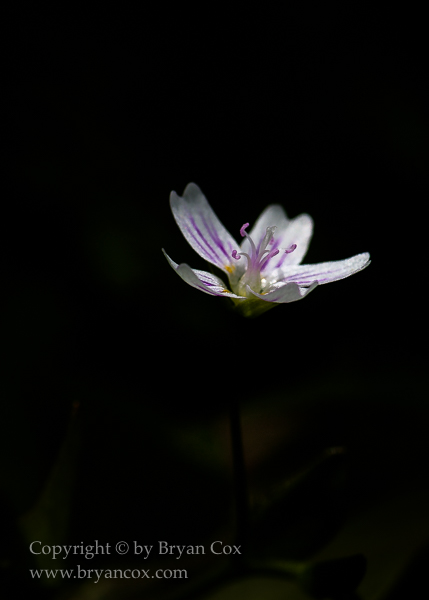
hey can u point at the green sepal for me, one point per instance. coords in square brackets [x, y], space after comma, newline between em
[252, 307]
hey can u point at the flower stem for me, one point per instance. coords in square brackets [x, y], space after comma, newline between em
[239, 475]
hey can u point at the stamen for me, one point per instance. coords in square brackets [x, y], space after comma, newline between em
[271, 254]
[243, 229]
[257, 259]
[249, 260]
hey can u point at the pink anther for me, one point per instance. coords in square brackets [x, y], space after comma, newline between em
[243, 229]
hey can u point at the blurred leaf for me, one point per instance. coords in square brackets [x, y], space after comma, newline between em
[36, 391]
[305, 513]
[324, 579]
[13, 557]
[414, 579]
[48, 520]
[333, 577]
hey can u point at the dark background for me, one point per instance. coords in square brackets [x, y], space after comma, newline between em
[106, 113]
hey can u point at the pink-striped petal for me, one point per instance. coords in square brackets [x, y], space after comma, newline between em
[201, 280]
[321, 272]
[204, 232]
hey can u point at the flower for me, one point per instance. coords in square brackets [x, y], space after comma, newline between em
[265, 269]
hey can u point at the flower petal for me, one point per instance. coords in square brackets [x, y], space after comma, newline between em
[298, 231]
[289, 231]
[290, 292]
[321, 272]
[204, 232]
[203, 281]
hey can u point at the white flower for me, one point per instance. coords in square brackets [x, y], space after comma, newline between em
[265, 269]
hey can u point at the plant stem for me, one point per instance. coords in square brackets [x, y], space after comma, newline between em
[239, 475]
